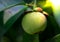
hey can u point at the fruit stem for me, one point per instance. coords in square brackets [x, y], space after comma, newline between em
[34, 6]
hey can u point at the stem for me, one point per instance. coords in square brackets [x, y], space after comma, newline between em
[34, 6]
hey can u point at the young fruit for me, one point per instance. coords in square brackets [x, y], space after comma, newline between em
[34, 22]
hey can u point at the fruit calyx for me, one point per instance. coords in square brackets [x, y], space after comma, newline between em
[39, 9]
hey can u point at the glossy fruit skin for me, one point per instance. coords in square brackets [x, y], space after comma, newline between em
[34, 22]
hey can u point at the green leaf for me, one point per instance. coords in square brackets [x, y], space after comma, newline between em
[1, 22]
[36, 38]
[57, 15]
[11, 12]
[52, 26]
[15, 33]
[1, 18]
[56, 38]
[52, 20]
[41, 3]
[30, 38]
[17, 11]
[9, 3]
[19, 38]
[5, 39]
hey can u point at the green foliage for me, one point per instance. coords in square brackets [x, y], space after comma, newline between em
[11, 14]
[56, 38]
[4, 4]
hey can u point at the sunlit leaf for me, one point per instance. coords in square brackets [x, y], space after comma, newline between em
[17, 13]
[8, 3]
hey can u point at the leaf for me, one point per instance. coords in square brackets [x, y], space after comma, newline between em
[15, 32]
[30, 38]
[52, 20]
[5, 39]
[11, 12]
[41, 3]
[17, 13]
[36, 38]
[56, 38]
[1, 22]
[19, 38]
[57, 15]
[4, 4]
[52, 26]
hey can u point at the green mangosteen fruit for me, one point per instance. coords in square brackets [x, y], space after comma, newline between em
[34, 22]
